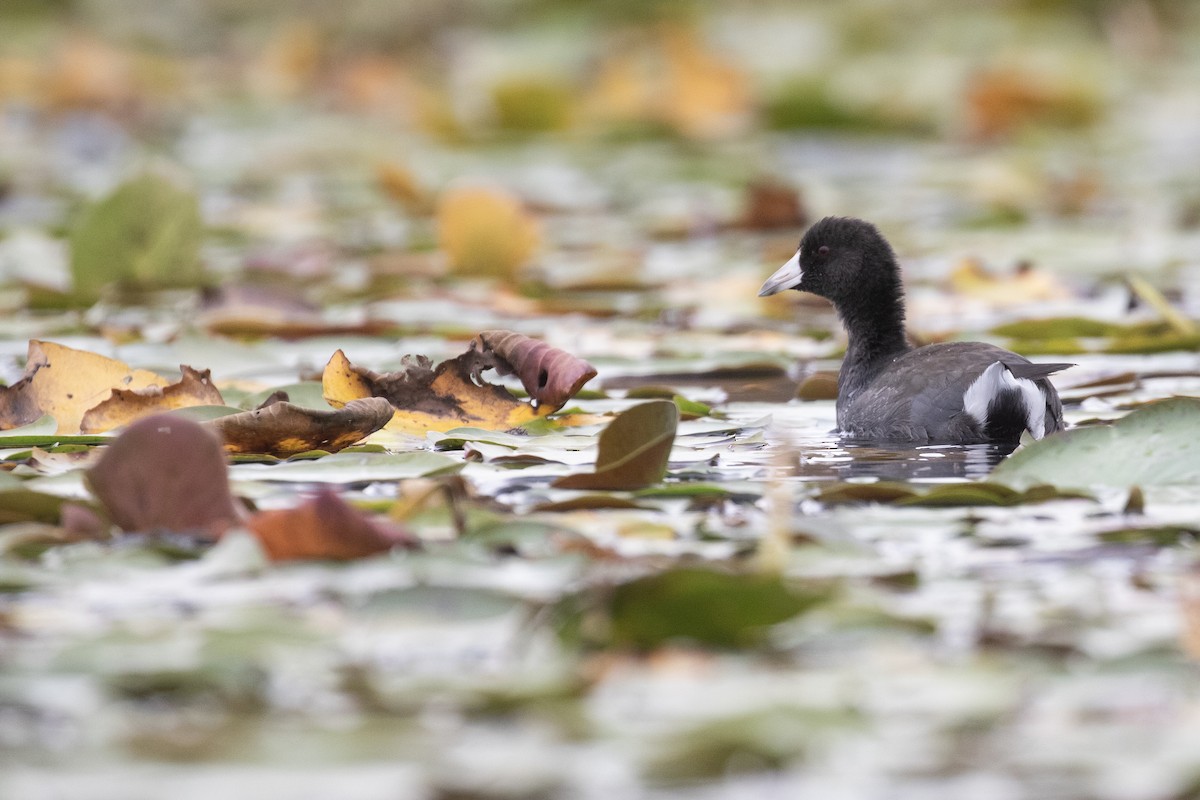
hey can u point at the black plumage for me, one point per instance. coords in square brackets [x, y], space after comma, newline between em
[955, 392]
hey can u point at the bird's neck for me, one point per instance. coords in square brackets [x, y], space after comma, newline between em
[876, 337]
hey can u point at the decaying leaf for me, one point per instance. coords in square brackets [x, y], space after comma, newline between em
[165, 473]
[485, 231]
[551, 376]
[195, 388]
[634, 449]
[454, 394]
[66, 383]
[284, 429]
[325, 527]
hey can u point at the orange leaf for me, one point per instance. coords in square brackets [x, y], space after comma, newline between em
[65, 383]
[485, 231]
[126, 405]
[325, 527]
[429, 399]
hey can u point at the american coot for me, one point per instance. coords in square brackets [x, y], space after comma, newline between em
[956, 392]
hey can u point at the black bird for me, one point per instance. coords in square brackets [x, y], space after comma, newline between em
[890, 391]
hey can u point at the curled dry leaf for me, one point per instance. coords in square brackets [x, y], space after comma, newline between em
[634, 449]
[66, 383]
[325, 527]
[551, 376]
[284, 429]
[453, 394]
[165, 473]
[195, 388]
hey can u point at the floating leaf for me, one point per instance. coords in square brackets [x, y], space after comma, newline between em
[533, 104]
[880, 492]
[703, 606]
[66, 383]
[325, 527]
[771, 204]
[145, 234]
[1159, 536]
[821, 385]
[634, 449]
[953, 495]
[165, 473]
[283, 429]
[352, 467]
[1154, 445]
[195, 388]
[1002, 100]
[550, 376]
[454, 395]
[485, 231]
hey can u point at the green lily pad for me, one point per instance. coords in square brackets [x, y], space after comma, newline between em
[1157, 444]
[704, 606]
[350, 468]
[1159, 535]
[146, 234]
[634, 449]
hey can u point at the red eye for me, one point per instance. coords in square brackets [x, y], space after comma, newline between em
[822, 250]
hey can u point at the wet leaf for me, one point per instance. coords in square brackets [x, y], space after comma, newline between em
[66, 383]
[352, 467]
[1157, 535]
[1156, 444]
[952, 495]
[165, 473]
[325, 527]
[771, 204]
[284, 429]
[550, 376]
[533, 104]
[818, 386]
[454, 394]
[634, 449]
[18, 504]
[881, 492]
[703, 606]
[195, 388]
[485, 231]
[1000, 101]
[145, 234]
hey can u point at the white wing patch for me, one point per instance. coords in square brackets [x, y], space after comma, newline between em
[996, 379]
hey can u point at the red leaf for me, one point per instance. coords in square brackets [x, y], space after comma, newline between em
[325, 527]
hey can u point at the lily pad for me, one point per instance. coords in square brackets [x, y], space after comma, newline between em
[146, 234]
[634, 449]
[1156, 444]
[351, 468]
[704, 606]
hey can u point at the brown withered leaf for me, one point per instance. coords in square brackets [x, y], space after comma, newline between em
[65, 383]
[551, 376]
[325, 527]
[195, 388]
[284, 429]
[165, 473]
[453, 394]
